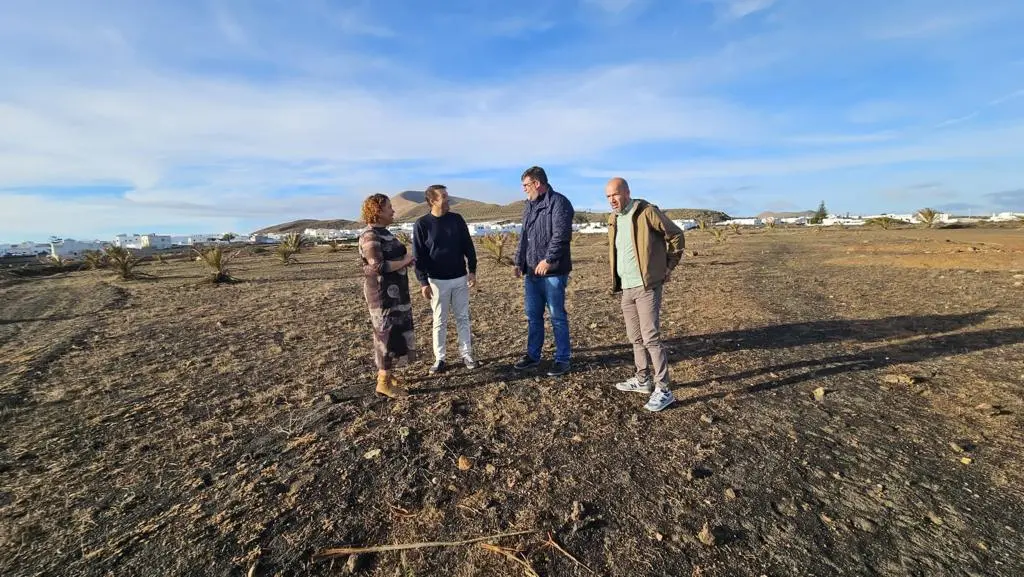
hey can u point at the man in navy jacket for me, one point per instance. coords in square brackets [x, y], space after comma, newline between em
[544, 261]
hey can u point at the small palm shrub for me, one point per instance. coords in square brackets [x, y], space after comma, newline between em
[216, 261]
[883, 222]
[94, 259]
[928, 217]
[285, 253]
[123, 263]
[497, 246]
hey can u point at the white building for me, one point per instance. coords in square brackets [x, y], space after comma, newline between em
[27, 248]
[486, 228]
[686, 224]
[1006, 216]
[155, 241]
[794, 220]
[128, 241]
[332, 233]
[909, 218]
[261, 239]
[940, 217]
[70, 247]
[833, 220]
[593, 228]
[751, 221]
[194, 239]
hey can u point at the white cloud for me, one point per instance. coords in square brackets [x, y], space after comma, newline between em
[812, 139]
[518, 26]
[744, 8]
[613, 6]
[1006, 142]
[141, 130]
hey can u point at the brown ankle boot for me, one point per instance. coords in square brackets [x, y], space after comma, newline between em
[388, 386]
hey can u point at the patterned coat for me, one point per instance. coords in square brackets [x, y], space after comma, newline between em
[387, 297]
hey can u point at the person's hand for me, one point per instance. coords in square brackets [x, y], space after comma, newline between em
[426, 292]
[519, 272]
[408, 260]
[542, 268]
[471, 280]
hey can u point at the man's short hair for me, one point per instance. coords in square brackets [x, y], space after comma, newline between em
[433, 192]
[536, 173]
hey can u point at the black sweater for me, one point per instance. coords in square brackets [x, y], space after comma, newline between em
[442, 247]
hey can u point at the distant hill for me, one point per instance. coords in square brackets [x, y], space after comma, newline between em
[770, 214]
[405, 200]
[301, 225]
[672, 213]
[471, 210]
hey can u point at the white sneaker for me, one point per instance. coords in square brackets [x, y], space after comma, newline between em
[469, 362]
[635, 385]
[660, 399]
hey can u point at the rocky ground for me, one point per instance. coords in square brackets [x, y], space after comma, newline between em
[849, 404]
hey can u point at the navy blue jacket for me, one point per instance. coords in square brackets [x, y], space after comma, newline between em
[443, 247]
[547, 234]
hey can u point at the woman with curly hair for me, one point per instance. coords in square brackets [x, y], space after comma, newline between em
[386, 289]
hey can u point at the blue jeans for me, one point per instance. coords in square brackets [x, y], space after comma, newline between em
[547, 292]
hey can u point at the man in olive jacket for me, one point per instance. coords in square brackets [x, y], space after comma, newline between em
[644, 246]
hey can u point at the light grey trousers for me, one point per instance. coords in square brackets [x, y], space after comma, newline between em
[451, 297]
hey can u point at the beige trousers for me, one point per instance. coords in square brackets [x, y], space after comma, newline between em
[641, 310]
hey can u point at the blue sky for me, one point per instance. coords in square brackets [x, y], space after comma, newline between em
[216, 115]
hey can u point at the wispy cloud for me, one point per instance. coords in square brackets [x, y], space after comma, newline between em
[1005, 142]
[1011, 199]
[882, 136]
[519, 26]
[1006, 98]
[228, 25]
[614, 6]
[743, 8]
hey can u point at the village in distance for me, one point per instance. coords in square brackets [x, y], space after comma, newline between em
[484, 219]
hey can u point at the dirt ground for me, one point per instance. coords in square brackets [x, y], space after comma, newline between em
[165, 427]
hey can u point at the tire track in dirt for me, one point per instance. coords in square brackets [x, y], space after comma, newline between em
[38, 325]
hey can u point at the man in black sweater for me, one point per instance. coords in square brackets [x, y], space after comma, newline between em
[444, 250]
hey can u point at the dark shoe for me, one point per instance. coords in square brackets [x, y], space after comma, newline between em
[438, 368]
[558, 369]
[525, 363]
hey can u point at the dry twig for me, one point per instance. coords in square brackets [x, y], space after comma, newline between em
[511, 554]
[339, 551]
[552, 543]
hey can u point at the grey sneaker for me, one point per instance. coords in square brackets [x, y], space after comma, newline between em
[635, 385]
[469, 362]
[660, 399]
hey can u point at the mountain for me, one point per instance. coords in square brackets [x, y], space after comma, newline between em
[301, 225]
[471, 210]
[407, 199]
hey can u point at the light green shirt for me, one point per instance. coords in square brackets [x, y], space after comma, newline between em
[625, 252]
